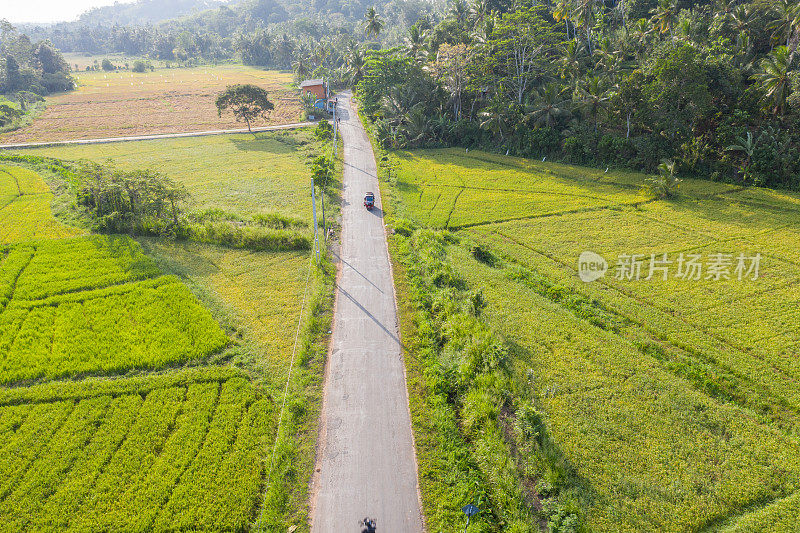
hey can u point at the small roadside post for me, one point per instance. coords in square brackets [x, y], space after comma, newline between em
[469, 510]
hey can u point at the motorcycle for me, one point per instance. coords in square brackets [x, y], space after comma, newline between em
[368, 525]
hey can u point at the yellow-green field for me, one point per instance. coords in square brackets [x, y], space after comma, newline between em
[676, 401]
[243, 174]
[125, 103]
[152, 364]
[25, 208]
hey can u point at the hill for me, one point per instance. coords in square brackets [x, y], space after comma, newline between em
[146, 12]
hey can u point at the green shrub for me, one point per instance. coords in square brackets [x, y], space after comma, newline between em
[324, 130]
[141, 66]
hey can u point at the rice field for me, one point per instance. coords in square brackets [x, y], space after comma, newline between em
[677, 400]
[95, 304]
[122, 402]
[181, 451]
[25, 208]
[124, 103]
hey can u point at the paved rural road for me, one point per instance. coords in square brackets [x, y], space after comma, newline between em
[154, 136]
[366, 460]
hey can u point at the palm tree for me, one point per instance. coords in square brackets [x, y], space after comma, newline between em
[563, 10]
[479, 11]
[415, 42]
[417, 124]
[492, 120]
[748, 147]
[641, 33]
[355, 65]
[460, 11]
[583, 16]
[608, 58]
[372, 23]
[570, 62]
[787, 21]
[594, 97]
[665, 16]
[667, 182]
[774, 78]
[301, 67]
[549, 105]
[741, 17]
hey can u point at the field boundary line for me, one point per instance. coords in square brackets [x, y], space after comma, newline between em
[722, 341]
[521, 191]
[285, 394]
[155, 136]
[16, 281]
[16, 478]
[553, 214]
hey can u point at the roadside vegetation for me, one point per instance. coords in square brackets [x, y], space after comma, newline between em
[173, 196]
[710, 86]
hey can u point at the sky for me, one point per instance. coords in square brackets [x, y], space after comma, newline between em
[17, 11]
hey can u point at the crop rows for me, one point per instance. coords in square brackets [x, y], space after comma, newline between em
[755, 317]
[657, 454]
[447, 188]
[675, 401]
[70, 265]
[138, 455]
[88, 305]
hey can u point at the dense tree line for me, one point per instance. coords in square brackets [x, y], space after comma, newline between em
[27, 66]
[710, 84]
[713, 86]
[28, 71]
[268, 33]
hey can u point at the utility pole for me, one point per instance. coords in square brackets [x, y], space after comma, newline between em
[335, 129]
[314, 214]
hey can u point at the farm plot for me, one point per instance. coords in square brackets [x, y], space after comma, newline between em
[667, 396]
[243, 174]
[753, 315]
[96, 304]
[25, 208]
[262, 290]
[754, 318]
[448, 188]
[174, 452]
[656, 455]
[115, 104]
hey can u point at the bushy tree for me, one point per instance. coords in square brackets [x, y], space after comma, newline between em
[247, 102]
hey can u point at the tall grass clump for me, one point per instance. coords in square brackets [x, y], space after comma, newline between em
[482, 432]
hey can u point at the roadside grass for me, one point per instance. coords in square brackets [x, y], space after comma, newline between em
[673, 405]
[124, 103]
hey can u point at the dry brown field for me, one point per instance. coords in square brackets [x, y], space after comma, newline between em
[115, 104]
